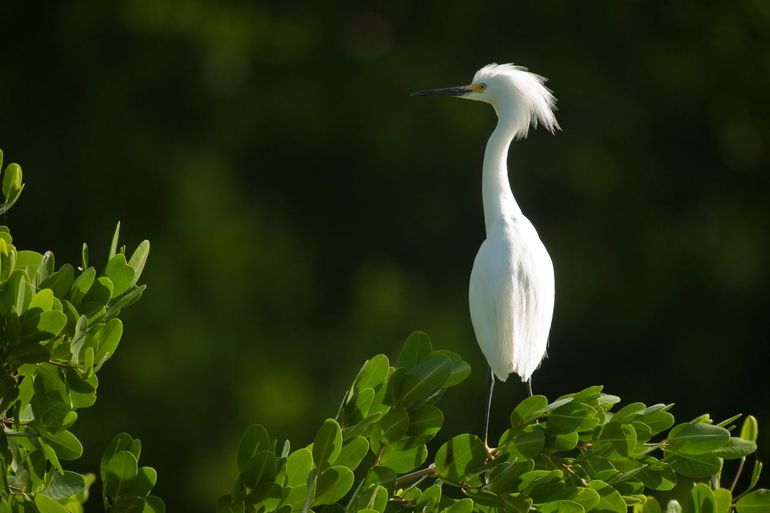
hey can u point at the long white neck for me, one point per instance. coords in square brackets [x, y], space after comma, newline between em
[495, 188]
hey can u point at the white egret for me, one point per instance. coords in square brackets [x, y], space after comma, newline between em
[511, 291]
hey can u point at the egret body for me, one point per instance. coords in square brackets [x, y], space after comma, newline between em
[511, 293]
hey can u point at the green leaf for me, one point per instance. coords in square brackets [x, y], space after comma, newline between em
[757, 501]
[403, 456]
[416, 348]
[736, 448]
[153, 504]
[253, 440]
[723, 500]
[50, 324]
[651, 505]
[332, 485]
[460, 457]
[47, 505]
[703, 499]
[114, 243]
[425, 422]
[138, 259]
[65, 485]
[298, 466]
[460, 368]
[656, 475]
[530, 441]
[609, 498]
[586, 497]
[424, 379]
[572, 417]
[429, 499]
[373, 373]
[66, 445]
[700, 438]
[124, 301]
[363, 401]
[504, 479]
[657, 420]
[750, 429]
[327, 444]
[695, 465]
[140, 485]
[12, 186]
[120, 273]
[561, 442]
[61, 281]
[121, 442]
[261, 468]
[528, 410]
[123, 466]
[460, 506]
[530, 481]
[82, 285]
[622, 437]
[42, 300]
[673, 506]
[643, 431]
[353, 452]
[393, 426]
[628, 413]
[107, 340]
[98, 295]
[561, 506]
[128, 505]
[756, 471]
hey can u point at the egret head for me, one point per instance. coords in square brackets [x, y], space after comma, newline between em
[518, 96]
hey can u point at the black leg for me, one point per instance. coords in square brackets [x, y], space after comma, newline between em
[489, 407]
[529, 386]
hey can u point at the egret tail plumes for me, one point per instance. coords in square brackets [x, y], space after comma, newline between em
[532, 101]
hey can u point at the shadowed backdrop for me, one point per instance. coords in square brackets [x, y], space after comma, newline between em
[305, 213]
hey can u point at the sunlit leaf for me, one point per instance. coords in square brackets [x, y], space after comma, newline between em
[609, 498]
[327, 444]
[460, 456]
[736, 448]
[403, 456]
[757, 501]
[333, 483]
[416, 348]
[700, 438]
[750, 428]
[352, 452]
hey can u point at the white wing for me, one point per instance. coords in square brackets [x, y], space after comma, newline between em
[511, 298]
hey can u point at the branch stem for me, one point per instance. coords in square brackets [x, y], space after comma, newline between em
[430, 470]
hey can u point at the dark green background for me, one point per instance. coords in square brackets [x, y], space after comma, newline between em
[306, 213]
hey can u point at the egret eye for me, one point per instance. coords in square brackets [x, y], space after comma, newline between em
[482, 87]
[479, 88]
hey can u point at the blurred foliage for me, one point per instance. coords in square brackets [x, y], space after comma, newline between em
[572, 455]
[305, 212]
[57, 328]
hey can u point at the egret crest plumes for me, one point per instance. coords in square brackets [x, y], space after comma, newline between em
[524, 93]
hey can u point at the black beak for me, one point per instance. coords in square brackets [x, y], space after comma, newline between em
[445, 91]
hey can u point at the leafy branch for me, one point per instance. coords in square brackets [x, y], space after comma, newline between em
[58, 326]
[581, 452]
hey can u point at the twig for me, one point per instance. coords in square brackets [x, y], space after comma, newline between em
[737, 474]
[430, 470]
